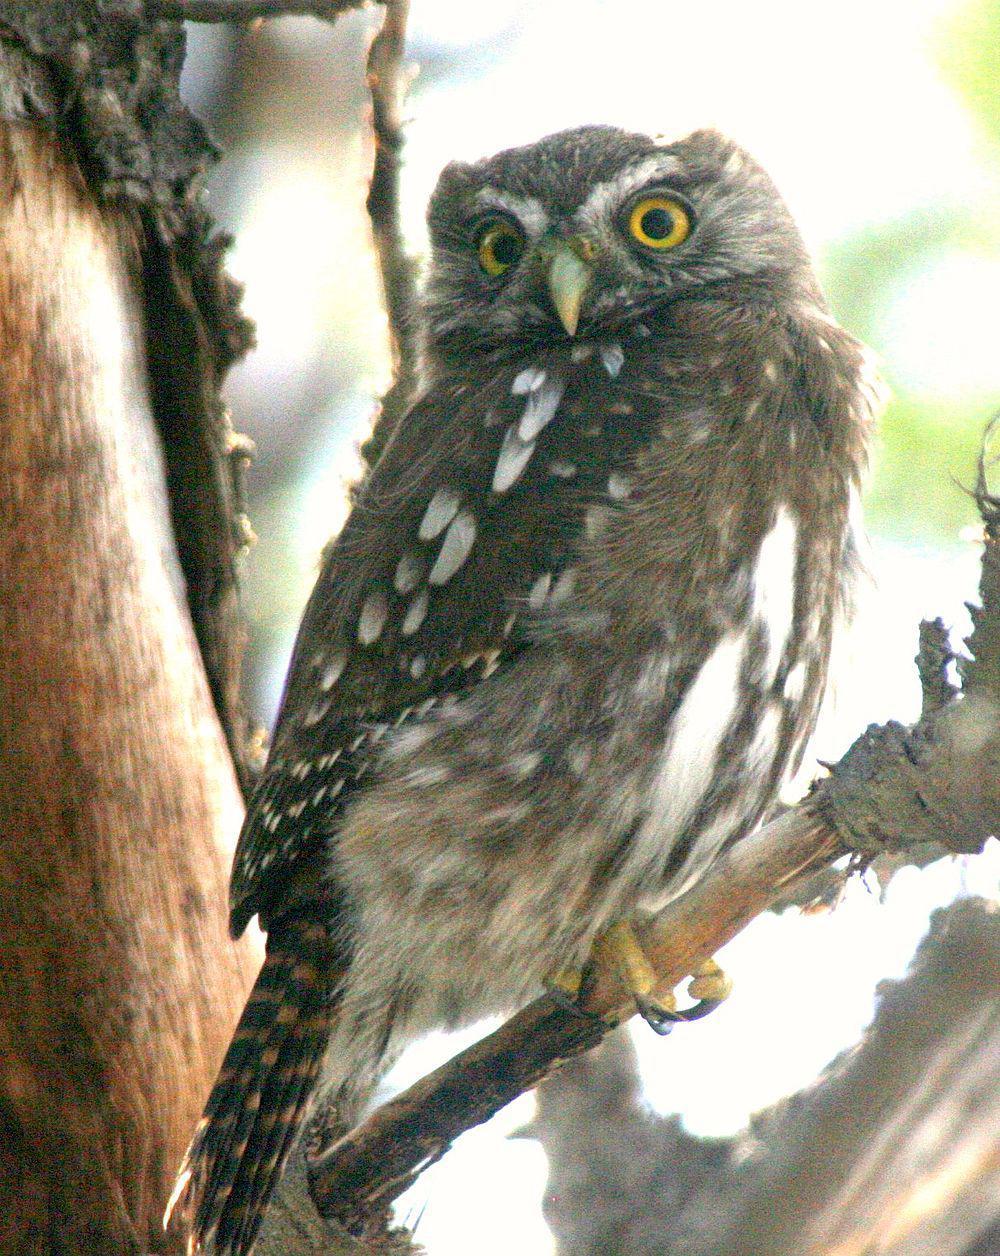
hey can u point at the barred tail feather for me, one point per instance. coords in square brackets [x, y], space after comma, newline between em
[259, 1099]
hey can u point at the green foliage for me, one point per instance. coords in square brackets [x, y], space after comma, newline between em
[927, 447]
[923, 469]
[969, 56]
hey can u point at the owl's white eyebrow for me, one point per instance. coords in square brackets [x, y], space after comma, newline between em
[609, 195]
[526, 209]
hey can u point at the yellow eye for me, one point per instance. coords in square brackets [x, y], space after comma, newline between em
[500, 247]
[659, 222]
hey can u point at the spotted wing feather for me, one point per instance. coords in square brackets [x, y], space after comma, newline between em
[480, 496]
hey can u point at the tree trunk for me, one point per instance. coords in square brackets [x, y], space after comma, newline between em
[118, 801]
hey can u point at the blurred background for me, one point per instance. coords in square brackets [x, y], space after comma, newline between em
[880, 122]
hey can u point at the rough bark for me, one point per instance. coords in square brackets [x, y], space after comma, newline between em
[118, 800]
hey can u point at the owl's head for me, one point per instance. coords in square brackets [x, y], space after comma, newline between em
[588, 230]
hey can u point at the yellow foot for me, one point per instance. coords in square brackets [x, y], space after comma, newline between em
[619, 950]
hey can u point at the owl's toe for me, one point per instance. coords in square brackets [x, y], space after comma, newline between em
[709, 983]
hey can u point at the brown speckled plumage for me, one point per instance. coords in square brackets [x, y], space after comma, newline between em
[571, 640]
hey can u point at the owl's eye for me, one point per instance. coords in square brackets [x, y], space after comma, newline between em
[500, 247]
[659, 222]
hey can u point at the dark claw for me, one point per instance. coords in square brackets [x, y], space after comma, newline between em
[662, 1021]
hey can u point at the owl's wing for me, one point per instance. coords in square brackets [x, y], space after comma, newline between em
[458, 536]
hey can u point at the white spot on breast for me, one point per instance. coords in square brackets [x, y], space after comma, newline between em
[580, 353]
[371, 621]
[409, 572]
[433, 774]
[760, 752]
[333, 670]
[527, 381]
[770, 371]
[613, 358]
[774, 588]
[795, 683]
[416, 613]
[687, 763]
[562, 470]
[540, 591]
[704, 849]
[440, 511]
[455, 548]
[418, 666]
[542, 405]
[619, 486]
[515, 455]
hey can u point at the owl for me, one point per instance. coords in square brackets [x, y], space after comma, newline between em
[572, 638]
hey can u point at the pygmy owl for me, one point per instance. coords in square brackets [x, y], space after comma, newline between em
[573, 636]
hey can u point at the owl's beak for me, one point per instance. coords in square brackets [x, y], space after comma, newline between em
[569, 275]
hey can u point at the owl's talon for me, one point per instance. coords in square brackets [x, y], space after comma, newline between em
[709, 985]
[658, 1014]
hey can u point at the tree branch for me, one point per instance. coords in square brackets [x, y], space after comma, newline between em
[387, 82]
[247, 10]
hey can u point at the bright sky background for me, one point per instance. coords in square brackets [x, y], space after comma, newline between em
[846, 107]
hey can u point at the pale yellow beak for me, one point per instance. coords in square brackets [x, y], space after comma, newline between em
[570, 273]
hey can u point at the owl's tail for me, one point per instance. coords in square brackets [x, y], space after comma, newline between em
[259, 1099]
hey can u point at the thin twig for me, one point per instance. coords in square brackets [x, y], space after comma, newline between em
[246, 10]
[387, 82]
